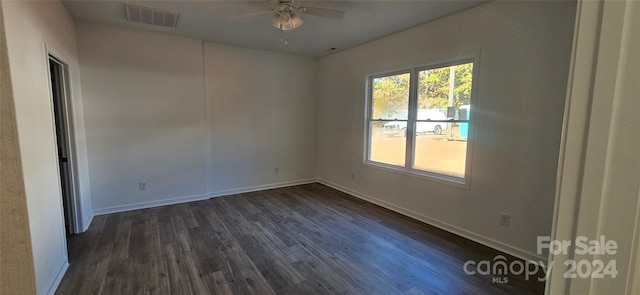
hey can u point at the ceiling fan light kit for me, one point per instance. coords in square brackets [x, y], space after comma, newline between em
[286, 14]
[286, 19]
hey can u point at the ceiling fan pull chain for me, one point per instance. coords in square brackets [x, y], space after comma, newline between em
[283, 38]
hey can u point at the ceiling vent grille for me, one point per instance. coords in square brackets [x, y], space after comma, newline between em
[151, 16]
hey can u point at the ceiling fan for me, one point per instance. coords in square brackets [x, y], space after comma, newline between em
[286, 13]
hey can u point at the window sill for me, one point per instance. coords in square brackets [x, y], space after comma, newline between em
[423, 175]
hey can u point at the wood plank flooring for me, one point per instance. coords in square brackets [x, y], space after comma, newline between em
[308, 239]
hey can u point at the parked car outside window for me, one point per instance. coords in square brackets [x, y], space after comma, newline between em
[399, 128]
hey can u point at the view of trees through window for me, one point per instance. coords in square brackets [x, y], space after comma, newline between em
[438, 117]
[391, 97]
[435, 91]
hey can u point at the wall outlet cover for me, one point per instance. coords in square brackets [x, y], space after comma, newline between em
[505, 219]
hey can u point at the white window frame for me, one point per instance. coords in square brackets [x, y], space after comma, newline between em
[407, 169]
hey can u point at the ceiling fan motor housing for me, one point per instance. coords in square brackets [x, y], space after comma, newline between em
[285, 17]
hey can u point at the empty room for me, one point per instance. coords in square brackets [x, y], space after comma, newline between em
[319, 147]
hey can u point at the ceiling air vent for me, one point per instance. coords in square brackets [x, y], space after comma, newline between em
[151, 16]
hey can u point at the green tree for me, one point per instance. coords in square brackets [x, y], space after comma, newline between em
[390, 96]
[462, 90]
[433, 88]
[391, 93]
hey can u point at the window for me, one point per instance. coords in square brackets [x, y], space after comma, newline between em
[418, 120]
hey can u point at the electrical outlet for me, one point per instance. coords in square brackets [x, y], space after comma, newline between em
[505, 219]
[276, 170]
[142, 186]
[353, 176]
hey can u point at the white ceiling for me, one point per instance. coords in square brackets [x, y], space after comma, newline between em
[210, 21]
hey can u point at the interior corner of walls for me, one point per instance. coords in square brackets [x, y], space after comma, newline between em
[87, 221]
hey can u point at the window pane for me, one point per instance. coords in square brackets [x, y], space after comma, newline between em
[388, 142]
[443, 93]
[439, 154]
[391, 97]
[435, 91]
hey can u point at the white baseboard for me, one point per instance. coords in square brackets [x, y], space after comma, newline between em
[262, 187]
[186, 199]
[53, 286]
[489, 242]
[150, 204]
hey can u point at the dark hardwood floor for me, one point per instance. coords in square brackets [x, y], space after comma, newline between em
[308, 239]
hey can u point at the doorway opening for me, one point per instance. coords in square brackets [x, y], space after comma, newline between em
[64, 140]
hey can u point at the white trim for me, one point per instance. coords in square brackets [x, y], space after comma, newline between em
[420, 174]
[87, 222]
[186, 199]
[571, 158]
[53, 286]
[489, 242]
[150, 204]
[472, 57]
[256, 188]
[51, 54]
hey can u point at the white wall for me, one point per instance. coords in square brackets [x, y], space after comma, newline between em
[148, 118]
[29, 25]
[261, 115]
[598, 191]
[144, 113]
[525, 50]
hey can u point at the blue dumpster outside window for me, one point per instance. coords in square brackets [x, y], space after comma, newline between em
[463, 114]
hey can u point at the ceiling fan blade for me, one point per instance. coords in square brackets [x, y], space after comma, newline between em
[323, 12]
[251, 14]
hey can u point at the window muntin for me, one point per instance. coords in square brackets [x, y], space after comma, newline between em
[422, 128]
